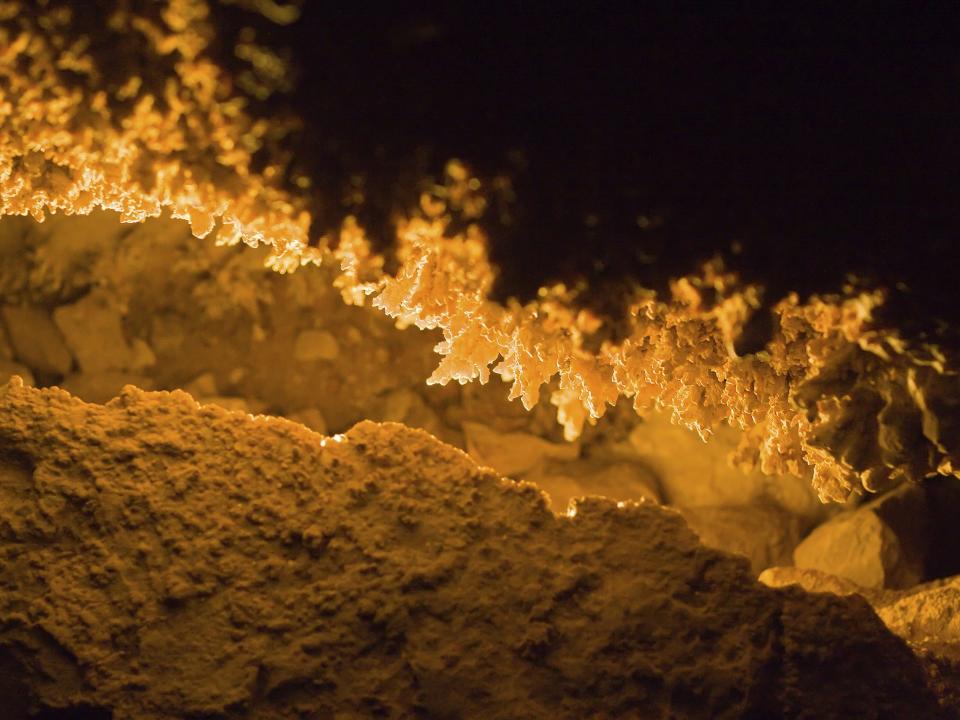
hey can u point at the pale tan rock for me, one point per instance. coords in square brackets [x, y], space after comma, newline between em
[204, 385]
[36, 340]
[397, 405]
[566, 482]
[313, 345]
[8, 369]
[513, 454]
[102, 387]
[93, 330]
[408, 407]
[762, 532]
[817, 581]
[860, 546]
[695, 473]
[311, 418]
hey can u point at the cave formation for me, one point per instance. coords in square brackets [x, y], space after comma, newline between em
[284, 434]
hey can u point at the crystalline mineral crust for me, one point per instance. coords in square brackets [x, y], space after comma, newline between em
[165, 560]
[136, 116]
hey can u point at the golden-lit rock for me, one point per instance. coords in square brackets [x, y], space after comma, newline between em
[164, 560]
[93, 330]
[36, 341]
[513, 454]
[860, 546]
[313, 345]
[763, 532]
[6, 351]
[833, 398]
[567, 482]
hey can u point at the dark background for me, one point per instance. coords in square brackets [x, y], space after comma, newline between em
[823, 139]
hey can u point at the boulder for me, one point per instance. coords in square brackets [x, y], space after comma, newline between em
[881, 544]
[36, 341]
[163, 560]
[311, 418]
[567, 482]
[204, 385]
[694, 473]
[817, 581]
[762, 532]
[926, 615]
[513, 453]
[93, 329]
[313, 345]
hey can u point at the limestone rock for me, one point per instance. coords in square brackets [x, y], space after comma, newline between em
[566, 482]
[762, 532]
[513, 454]
[928, 614]
[202, 386]
[861, 546]
[925, 615]
[9, 369]
[817, 581]
[163, 560]
[695, 473]
[311, 418]
[93, 329]
[36, 341]
[312, 345]
[102, 387]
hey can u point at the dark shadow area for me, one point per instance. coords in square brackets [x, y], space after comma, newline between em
[823, 140]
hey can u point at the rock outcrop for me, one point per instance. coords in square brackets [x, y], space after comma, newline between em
[165, 560]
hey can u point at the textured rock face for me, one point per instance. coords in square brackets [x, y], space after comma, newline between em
[163, 560]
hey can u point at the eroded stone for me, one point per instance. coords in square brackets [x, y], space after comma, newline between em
[197, 562]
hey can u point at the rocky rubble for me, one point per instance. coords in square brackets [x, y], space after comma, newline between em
[165, 560]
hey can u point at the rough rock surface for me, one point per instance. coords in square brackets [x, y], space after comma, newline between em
[164, 560]
[882, 544]
[588, 478]
[926, 616]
